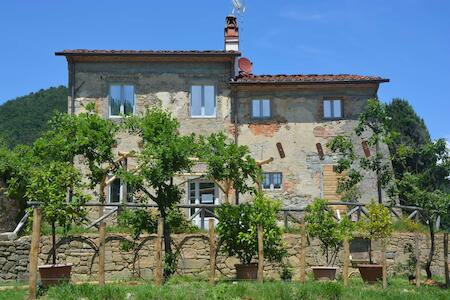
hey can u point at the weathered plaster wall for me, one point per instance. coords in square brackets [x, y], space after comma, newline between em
[297, 123]
[164, 84]
[194, 256]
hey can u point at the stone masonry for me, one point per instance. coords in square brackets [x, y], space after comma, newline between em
[193, 249]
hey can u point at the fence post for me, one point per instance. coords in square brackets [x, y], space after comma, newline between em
[101, 253]
[212, 252]
[383, 261]
[447, 279]
[417, 254]
[158, 248]
[34, 252]
[260, 254]
[303, 252]
[346, 261]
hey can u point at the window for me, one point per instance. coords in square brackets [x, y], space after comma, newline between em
[272, 180]
[332, 109]
[202, 192]
[121, 100]
[116, 192]
[203, 101]
[261, 109]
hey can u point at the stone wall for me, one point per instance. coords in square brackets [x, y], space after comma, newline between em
[193, 251]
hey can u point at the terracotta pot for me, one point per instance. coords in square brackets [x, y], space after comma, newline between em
[247, 271]
[371, 273]
[54, 274]
[324, 273]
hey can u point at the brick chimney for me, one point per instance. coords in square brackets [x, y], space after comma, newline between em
[231, 34]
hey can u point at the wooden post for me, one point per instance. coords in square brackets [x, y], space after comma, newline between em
[212, 252]
[346, 261]
[417, 254]
[34, 253]
[302, 252]
[447, 279]
[101, 253]
[383, 261]
[260, 254]
[124, 184]
[158, 249]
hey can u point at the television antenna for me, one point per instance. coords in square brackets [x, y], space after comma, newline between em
[238, 6]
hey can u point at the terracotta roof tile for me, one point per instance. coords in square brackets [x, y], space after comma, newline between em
[307, 78]
[145, 52]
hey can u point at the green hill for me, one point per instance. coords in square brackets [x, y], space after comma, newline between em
[23, 119]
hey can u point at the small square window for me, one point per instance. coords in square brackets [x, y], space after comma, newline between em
[121, 100]
[261, 109]
[203, 101]
[272, 180]
[332, 109]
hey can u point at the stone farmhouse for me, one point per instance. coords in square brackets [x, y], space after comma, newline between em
[289, 118]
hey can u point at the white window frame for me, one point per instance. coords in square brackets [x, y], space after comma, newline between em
[197, 182]
[331, 101]
[122, 107]
[121, 200]
[261, 117]
[272, 188]
[203, 107]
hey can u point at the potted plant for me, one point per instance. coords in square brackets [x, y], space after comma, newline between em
[48, 184]
[238, 234]
[377, 226]
[321, 224]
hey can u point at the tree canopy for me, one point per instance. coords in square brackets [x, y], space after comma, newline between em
[25, 118]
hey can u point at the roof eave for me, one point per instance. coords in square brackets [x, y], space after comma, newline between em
[72, 54]
[377, 81]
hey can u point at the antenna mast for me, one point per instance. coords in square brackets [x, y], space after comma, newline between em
[238, 11]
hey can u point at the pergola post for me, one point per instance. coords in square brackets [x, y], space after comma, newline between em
[34, 252]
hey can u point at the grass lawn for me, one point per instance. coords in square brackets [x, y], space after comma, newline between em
[182, 288]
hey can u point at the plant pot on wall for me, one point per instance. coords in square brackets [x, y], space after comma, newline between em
[371, 273]
[247, 271]
[324, 273]
[55, 274]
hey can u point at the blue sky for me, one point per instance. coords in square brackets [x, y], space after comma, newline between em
[407, 41]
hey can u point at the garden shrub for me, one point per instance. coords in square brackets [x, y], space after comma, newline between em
[238, 229]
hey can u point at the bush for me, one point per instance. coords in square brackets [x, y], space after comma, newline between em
[378, 225]
[321, 224]
[238, 229]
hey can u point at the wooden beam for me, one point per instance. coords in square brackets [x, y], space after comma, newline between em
[212, 252]
[302, 251]
[34, 253]
[264, 162]
[158, 256]
[110, 180]
[260, 254]
[101, 253]
[383, 262]
[417, 254]
[346, 261]
[446, 262]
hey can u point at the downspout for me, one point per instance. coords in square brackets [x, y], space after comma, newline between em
[235, 111]
[72, 86]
